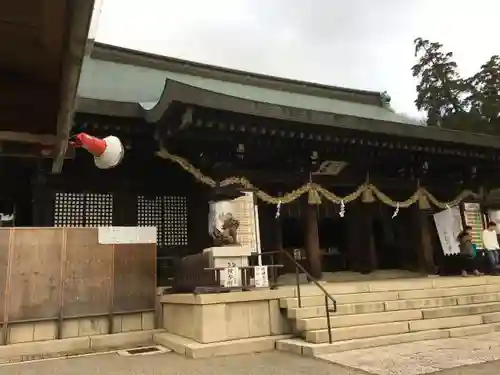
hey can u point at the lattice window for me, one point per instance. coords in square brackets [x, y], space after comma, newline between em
[69, 210]
[98, 210]
[150, 214]
[83, 210]
[176, 221]
[168, 214]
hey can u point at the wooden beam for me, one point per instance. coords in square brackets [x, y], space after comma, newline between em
[31, 150]
[79, 19]
[52, 36]
[44, 139]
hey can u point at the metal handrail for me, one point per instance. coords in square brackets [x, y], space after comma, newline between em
[327, 295]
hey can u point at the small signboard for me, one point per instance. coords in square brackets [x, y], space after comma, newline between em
[126, 235]
[261, 277]
[231, 277]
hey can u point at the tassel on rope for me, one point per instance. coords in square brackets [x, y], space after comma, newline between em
[367, 196]
[278, 209]
[313, 196]
[423, 202]
[396, 211]
[342, 208]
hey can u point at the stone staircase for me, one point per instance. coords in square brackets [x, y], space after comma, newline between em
[379, 313]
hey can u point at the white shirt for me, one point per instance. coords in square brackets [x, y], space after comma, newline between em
[490, 240]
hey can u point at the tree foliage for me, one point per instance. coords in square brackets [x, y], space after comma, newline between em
[454, 102]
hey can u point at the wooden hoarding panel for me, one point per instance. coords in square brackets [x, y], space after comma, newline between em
[87, 274]
[134, 277]
[35, 276]
[4, 260]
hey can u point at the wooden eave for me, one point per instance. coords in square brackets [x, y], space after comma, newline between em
[43, 43]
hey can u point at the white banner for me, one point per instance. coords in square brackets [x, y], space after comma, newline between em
[448, 226]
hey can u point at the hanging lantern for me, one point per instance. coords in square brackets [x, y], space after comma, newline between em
[108, 152]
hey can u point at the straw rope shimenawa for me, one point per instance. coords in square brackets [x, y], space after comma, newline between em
[315, 192]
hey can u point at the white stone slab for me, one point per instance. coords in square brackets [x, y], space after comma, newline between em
[229, 251]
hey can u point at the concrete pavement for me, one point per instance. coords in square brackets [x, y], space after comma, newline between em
[270, 363]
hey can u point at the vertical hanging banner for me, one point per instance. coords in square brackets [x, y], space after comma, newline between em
[448, 226]
[473, 217]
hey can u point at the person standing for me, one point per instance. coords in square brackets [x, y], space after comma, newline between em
[467, 252]
[491, 247]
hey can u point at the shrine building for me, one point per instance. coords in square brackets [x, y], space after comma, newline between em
[368, 179]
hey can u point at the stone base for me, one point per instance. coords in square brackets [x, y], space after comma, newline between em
[228, 256]
[74, 346]
[194, 349]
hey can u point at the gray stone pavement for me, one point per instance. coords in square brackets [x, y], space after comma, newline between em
[424, 357]
[271, 363]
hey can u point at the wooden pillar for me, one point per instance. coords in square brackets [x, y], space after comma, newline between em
[311, 240]
[423, 239]
[361, 244]
[42, 199]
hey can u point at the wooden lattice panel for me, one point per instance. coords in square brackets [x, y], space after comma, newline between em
[176, 221]
[150, 213]
[83, 209]
[98, 210]
[168, 214]
[69, 210]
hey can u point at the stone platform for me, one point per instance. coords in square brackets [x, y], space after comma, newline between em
[379, 313]
[370, 313]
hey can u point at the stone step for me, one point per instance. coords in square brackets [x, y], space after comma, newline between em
[408, 304]
[319, 300]
[383, 329]
[312, 324]
[450, 311]
[354, 298]
[356, 332]
[449, 292]
[414, 284]
[302, 347]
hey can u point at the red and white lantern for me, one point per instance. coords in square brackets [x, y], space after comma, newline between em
[108, 152]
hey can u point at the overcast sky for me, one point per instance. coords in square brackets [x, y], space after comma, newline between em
[364, 44]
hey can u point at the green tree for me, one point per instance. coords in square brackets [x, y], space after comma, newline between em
[484, 99]
[450, 101]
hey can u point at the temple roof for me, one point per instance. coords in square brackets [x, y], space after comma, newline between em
[121, 82]
[106, 80]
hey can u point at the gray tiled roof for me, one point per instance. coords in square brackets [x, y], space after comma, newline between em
[127, 83]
